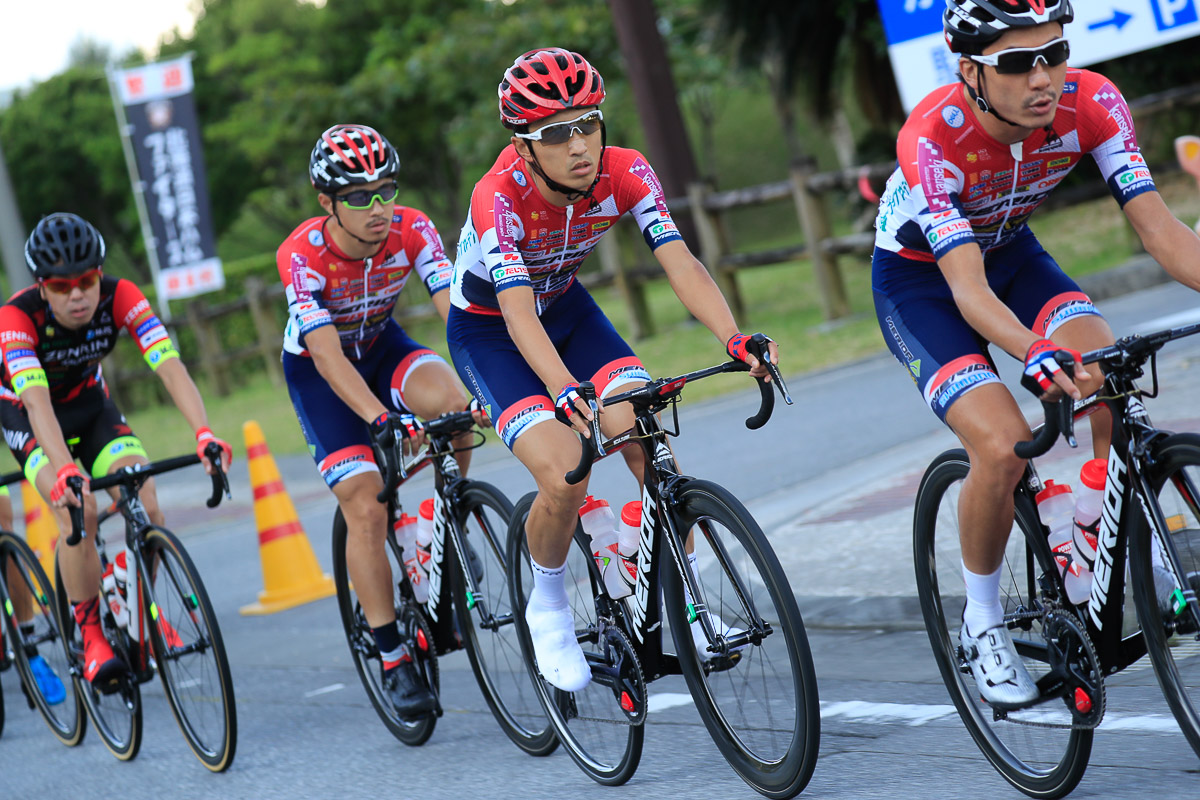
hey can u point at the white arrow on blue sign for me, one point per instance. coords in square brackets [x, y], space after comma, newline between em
[1101, 30]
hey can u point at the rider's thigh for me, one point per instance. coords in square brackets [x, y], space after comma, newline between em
[432, 388]
[549, 450]
[1086, 333]
[989, 423]
[357, 497]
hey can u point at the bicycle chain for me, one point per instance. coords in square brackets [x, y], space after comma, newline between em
[1054, 612]
[607, 628]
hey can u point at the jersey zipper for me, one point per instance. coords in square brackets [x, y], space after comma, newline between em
[362, 325]
[1017, 150]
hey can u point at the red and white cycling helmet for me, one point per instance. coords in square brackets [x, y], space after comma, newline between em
[543, 82]
[971, 25]
[346, 155]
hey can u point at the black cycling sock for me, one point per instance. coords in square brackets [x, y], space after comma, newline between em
[391, 646]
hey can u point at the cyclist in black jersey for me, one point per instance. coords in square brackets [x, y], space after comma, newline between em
[56, 407]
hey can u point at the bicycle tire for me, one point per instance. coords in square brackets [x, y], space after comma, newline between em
[65, 719]
[116, 717]
[590, 724]
[1174, 652]
[760, 705]
[1041, 762]
[365, 653]
[189, 650]
[486, 621]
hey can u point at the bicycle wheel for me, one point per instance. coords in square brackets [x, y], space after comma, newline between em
[759, 702]
[64, 715]
[604, 740]
[1172, 639]
[189, 651]
[414, 628]
[117, 717]
[1036, 749]
[485, 620]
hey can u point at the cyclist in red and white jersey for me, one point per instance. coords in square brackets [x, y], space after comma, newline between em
[353, 374]
[55, 406]
[523, 332]
[956, 267]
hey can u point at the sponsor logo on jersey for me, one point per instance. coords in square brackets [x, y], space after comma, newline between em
[930, 160]
[940, 394]
[138, 308]
[605, 208]
[1132, 175]
[601, 226]
[315, 238]
[508, 227]
[16, 336]
[22, 352]
[523, 419]
[500, 273]
[1070, 87]
[954, 116]
[641, 169]
[958, 226]
[662, 230]
[155, 334]
[1059, 162]
[519, 177]
[16, 439]
[16, 365]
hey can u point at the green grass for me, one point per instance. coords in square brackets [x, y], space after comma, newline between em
[781, 300]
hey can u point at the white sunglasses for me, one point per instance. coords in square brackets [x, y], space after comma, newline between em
[1019, 60]
[561, 132]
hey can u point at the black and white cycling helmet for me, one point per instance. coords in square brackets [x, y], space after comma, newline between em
[971, 25]
[347, 155]
[63, 244]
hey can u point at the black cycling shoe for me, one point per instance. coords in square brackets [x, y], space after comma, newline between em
[407, 692]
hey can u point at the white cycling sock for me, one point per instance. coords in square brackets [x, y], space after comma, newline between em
[549, 590]
[983, 609]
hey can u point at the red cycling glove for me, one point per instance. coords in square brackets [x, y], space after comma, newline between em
[203, 437]
[60, 482]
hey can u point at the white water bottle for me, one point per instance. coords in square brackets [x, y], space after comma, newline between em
[406, 537]
[424, 540]
[1056, 507]
[629, 539]
[599, 524]
[1088, 506]
[113, 597]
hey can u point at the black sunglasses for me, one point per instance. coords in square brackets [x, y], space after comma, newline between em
[1020, 60]
[362, 199]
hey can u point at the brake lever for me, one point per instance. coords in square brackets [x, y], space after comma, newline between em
[75, 484]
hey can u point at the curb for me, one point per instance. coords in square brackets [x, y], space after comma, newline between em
[862, 612]
[1141, 272]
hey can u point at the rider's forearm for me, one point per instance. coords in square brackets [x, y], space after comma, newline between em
[179, 385]
[326, 351]
[531, 340]
[964, 271]
[1177, 249]
[40, 411]
[696, 289]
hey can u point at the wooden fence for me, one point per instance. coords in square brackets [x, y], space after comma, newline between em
[808, 191]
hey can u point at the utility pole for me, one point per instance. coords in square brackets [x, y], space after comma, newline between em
[670, 150]
[12, 233]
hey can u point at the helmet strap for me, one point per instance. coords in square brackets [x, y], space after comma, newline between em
[572, 195]
[351, 234]
[982, 101]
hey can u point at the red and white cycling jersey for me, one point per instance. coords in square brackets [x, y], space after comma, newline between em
[514, 237]
[357, 296]
[956, 184]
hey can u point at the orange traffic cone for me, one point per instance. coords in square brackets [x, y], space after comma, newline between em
[291, 574]
[41, 531]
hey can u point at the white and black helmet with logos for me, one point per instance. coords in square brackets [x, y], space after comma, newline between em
[971, 25]
[348, 155]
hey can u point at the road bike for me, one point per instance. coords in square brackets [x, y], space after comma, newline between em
[172, 630]
[467, 608]
[21, 574]
[748, 665]
[1149, 536]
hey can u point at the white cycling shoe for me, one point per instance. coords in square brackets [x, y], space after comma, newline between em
[1001, 676]
[701, 641]
[559, 657]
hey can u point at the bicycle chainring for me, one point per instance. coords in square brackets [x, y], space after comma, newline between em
[624, 674]
[1075, 676]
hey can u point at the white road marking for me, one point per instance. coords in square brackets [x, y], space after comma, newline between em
[333, 687]
[664, 700]
[1169, 321]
